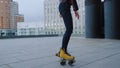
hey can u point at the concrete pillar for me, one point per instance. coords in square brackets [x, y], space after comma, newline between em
[112, 19]
[93, 20]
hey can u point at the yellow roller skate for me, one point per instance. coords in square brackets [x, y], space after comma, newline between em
[65, 57]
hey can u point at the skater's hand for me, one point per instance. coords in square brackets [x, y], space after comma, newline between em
[77, 14]
[60, 15]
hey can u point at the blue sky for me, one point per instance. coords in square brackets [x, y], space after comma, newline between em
[32, 10]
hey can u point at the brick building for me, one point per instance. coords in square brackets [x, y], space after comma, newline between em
[9, 16]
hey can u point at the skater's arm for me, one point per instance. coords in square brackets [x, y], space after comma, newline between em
[74, 4]
[75, 8]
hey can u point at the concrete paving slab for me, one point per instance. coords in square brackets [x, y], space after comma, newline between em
[40, 53]
[4, 66]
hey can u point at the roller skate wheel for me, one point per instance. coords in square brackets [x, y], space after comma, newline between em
[62, 63]
[71, 62]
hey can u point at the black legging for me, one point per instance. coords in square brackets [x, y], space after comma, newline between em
[65, 12]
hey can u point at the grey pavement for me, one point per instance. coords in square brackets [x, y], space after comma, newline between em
[40, 53]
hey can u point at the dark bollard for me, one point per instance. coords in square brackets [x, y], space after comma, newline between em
[93, 19]
[112, 19]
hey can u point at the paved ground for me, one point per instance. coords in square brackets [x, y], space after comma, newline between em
[39, 53]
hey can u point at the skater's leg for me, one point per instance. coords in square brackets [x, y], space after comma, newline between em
[67, 18]
[67, 36]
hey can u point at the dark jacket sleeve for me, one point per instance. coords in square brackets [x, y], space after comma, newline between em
[74, 4]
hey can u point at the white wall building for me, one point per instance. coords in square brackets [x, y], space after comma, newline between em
[14, 11]
[54, 24]
[30, 28]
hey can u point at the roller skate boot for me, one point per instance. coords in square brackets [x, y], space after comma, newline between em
[65, 56]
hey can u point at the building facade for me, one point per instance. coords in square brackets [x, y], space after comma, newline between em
[30, 28]
[5, 14]
[16, 17]
[54, 24]
[9, 16]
